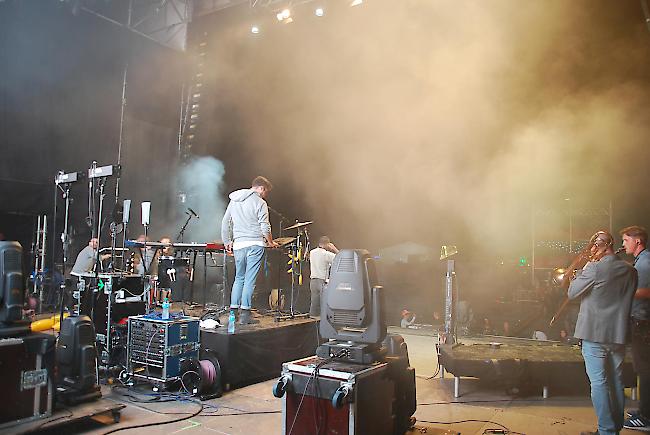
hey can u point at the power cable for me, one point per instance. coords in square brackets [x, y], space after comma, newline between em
[503, 429]
[158, 423]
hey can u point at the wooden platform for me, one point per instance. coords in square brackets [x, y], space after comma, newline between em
[101, 411]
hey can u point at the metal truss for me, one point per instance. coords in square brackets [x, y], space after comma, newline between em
[205, 7]
[162, 21]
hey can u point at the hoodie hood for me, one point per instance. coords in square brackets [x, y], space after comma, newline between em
[241, 194]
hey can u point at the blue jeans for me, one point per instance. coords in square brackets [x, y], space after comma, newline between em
[247, 265]
[604, 366]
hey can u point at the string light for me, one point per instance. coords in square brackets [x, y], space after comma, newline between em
[562, 245]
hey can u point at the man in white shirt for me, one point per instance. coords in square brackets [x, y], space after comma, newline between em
[320, 261]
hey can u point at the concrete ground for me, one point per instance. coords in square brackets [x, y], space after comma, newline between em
[254, 410]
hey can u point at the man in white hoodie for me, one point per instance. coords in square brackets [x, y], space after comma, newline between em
[246, 230]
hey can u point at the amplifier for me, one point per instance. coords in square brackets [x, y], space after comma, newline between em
[157, 348]
[27, 367]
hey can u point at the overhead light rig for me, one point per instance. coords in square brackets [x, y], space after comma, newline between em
[164, 22]
[284, 11]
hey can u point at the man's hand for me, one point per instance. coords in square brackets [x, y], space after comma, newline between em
[228, 247]
[272, 244]
[330, 247]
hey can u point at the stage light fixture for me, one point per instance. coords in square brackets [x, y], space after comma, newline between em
[319, 12]
[284, 14]
[356, 2]
[255, 30]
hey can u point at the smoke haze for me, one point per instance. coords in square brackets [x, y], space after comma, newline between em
[439, 121]
[201, 180]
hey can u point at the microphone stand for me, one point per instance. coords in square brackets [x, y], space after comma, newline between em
[181, 233]
[282, 218]
[65, 242]
[98, 234]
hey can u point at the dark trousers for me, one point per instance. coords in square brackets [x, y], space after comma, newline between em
[641, 360]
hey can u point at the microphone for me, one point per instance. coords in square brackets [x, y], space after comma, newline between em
[193, 213]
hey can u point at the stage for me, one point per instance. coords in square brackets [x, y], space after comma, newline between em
[253, 410]
[517, 363]
[255, 353]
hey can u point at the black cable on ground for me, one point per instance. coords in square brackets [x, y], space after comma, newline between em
[486, 431]
[172, 397]
[240, 413]
[462, 402]
[158, 423]
[437, 372]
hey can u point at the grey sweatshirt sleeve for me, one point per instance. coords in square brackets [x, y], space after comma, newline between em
[263, 218]
[584, 281]
[226, 226]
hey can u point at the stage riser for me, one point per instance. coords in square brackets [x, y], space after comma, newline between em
[558, 367]
[250, 356]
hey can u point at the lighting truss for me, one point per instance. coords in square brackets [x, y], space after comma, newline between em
[162, 21]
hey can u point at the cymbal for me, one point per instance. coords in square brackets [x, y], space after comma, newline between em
[298, 225]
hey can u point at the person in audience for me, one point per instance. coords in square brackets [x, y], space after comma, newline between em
[408, 318]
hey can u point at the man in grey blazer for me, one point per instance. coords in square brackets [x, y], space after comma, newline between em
[606, 285]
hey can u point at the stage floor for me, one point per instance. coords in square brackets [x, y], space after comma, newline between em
[254, 410]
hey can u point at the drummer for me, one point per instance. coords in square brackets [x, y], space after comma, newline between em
[164, 269]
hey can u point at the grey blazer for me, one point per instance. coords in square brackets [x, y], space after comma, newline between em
[607, 289]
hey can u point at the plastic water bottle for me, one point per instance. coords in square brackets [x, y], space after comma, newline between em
[231, 322]
[165, 306]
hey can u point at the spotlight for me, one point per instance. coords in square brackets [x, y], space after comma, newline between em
[319, 12]
[255, 30]
[356, 2]
[284, 14]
